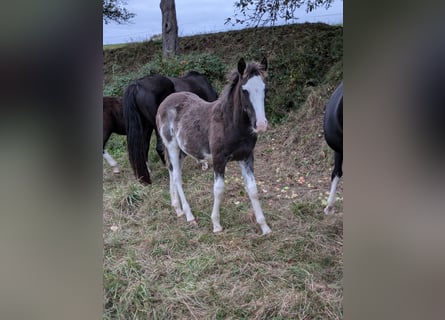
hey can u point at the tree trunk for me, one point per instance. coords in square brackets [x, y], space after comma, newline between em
[170, 46]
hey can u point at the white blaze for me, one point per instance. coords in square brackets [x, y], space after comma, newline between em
[255, 86]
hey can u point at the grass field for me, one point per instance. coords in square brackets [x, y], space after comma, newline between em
[114, 46]
[157, 266]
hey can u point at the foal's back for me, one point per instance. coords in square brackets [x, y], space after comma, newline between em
[185, 118]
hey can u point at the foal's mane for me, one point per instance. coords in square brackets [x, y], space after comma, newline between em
[252, 69]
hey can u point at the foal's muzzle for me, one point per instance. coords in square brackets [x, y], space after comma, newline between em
[261, 126]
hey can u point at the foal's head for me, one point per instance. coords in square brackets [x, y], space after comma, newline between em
[253, 87]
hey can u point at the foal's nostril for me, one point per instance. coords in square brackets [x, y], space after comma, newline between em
[261, 126]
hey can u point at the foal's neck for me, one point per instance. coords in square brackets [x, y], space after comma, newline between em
[235, 107]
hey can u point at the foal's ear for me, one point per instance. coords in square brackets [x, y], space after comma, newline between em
[241, 66]
[264, 63]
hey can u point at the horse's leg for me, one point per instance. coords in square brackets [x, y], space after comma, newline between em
[174, 193]
[204, 164]
[335, 178]
[251, 188]
[218, 192]
[148, 130]
[173, 190]
[176, 158]
[106, 155]
[160, 146]
[111, 161]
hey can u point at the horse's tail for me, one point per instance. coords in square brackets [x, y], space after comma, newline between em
[136, 140]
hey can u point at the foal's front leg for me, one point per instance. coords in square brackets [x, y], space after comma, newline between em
[218, 193]
[250, 184]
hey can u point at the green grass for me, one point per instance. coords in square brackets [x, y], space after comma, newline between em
[157, 266]
[114, 46]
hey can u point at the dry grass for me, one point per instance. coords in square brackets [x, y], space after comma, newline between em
[156, 266]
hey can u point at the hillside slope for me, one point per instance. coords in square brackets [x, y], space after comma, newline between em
[298, 54]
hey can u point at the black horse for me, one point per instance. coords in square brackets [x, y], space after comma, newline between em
[333, 133]
[113, 122]
[141, 101]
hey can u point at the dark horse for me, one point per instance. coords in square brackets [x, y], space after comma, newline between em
[113, 122]
[224, 130]
[141, 101]
[333, 132]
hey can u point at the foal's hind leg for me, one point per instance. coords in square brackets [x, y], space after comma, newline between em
[174, 194]
[175, 171]
[337, 173]
[251, 188]
[173, 190]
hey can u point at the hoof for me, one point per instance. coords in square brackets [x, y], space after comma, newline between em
[205, 166]
[145, 181]
[266, 230]
[217, 230]
[193, 224]
[116, 170]
[328, 210]
[179, 213]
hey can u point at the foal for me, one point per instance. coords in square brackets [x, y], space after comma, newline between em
[333, 132]
[224, 130]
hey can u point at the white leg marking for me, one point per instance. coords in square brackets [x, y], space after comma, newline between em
[176, 176]
[173, 191]
[111, 161]
[218, 192]
[250, 184]
[174, 196]
[330, 206]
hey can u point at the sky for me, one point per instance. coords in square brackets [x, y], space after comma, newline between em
[196, 17]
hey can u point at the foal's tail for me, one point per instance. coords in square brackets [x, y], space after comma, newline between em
[137, 143]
